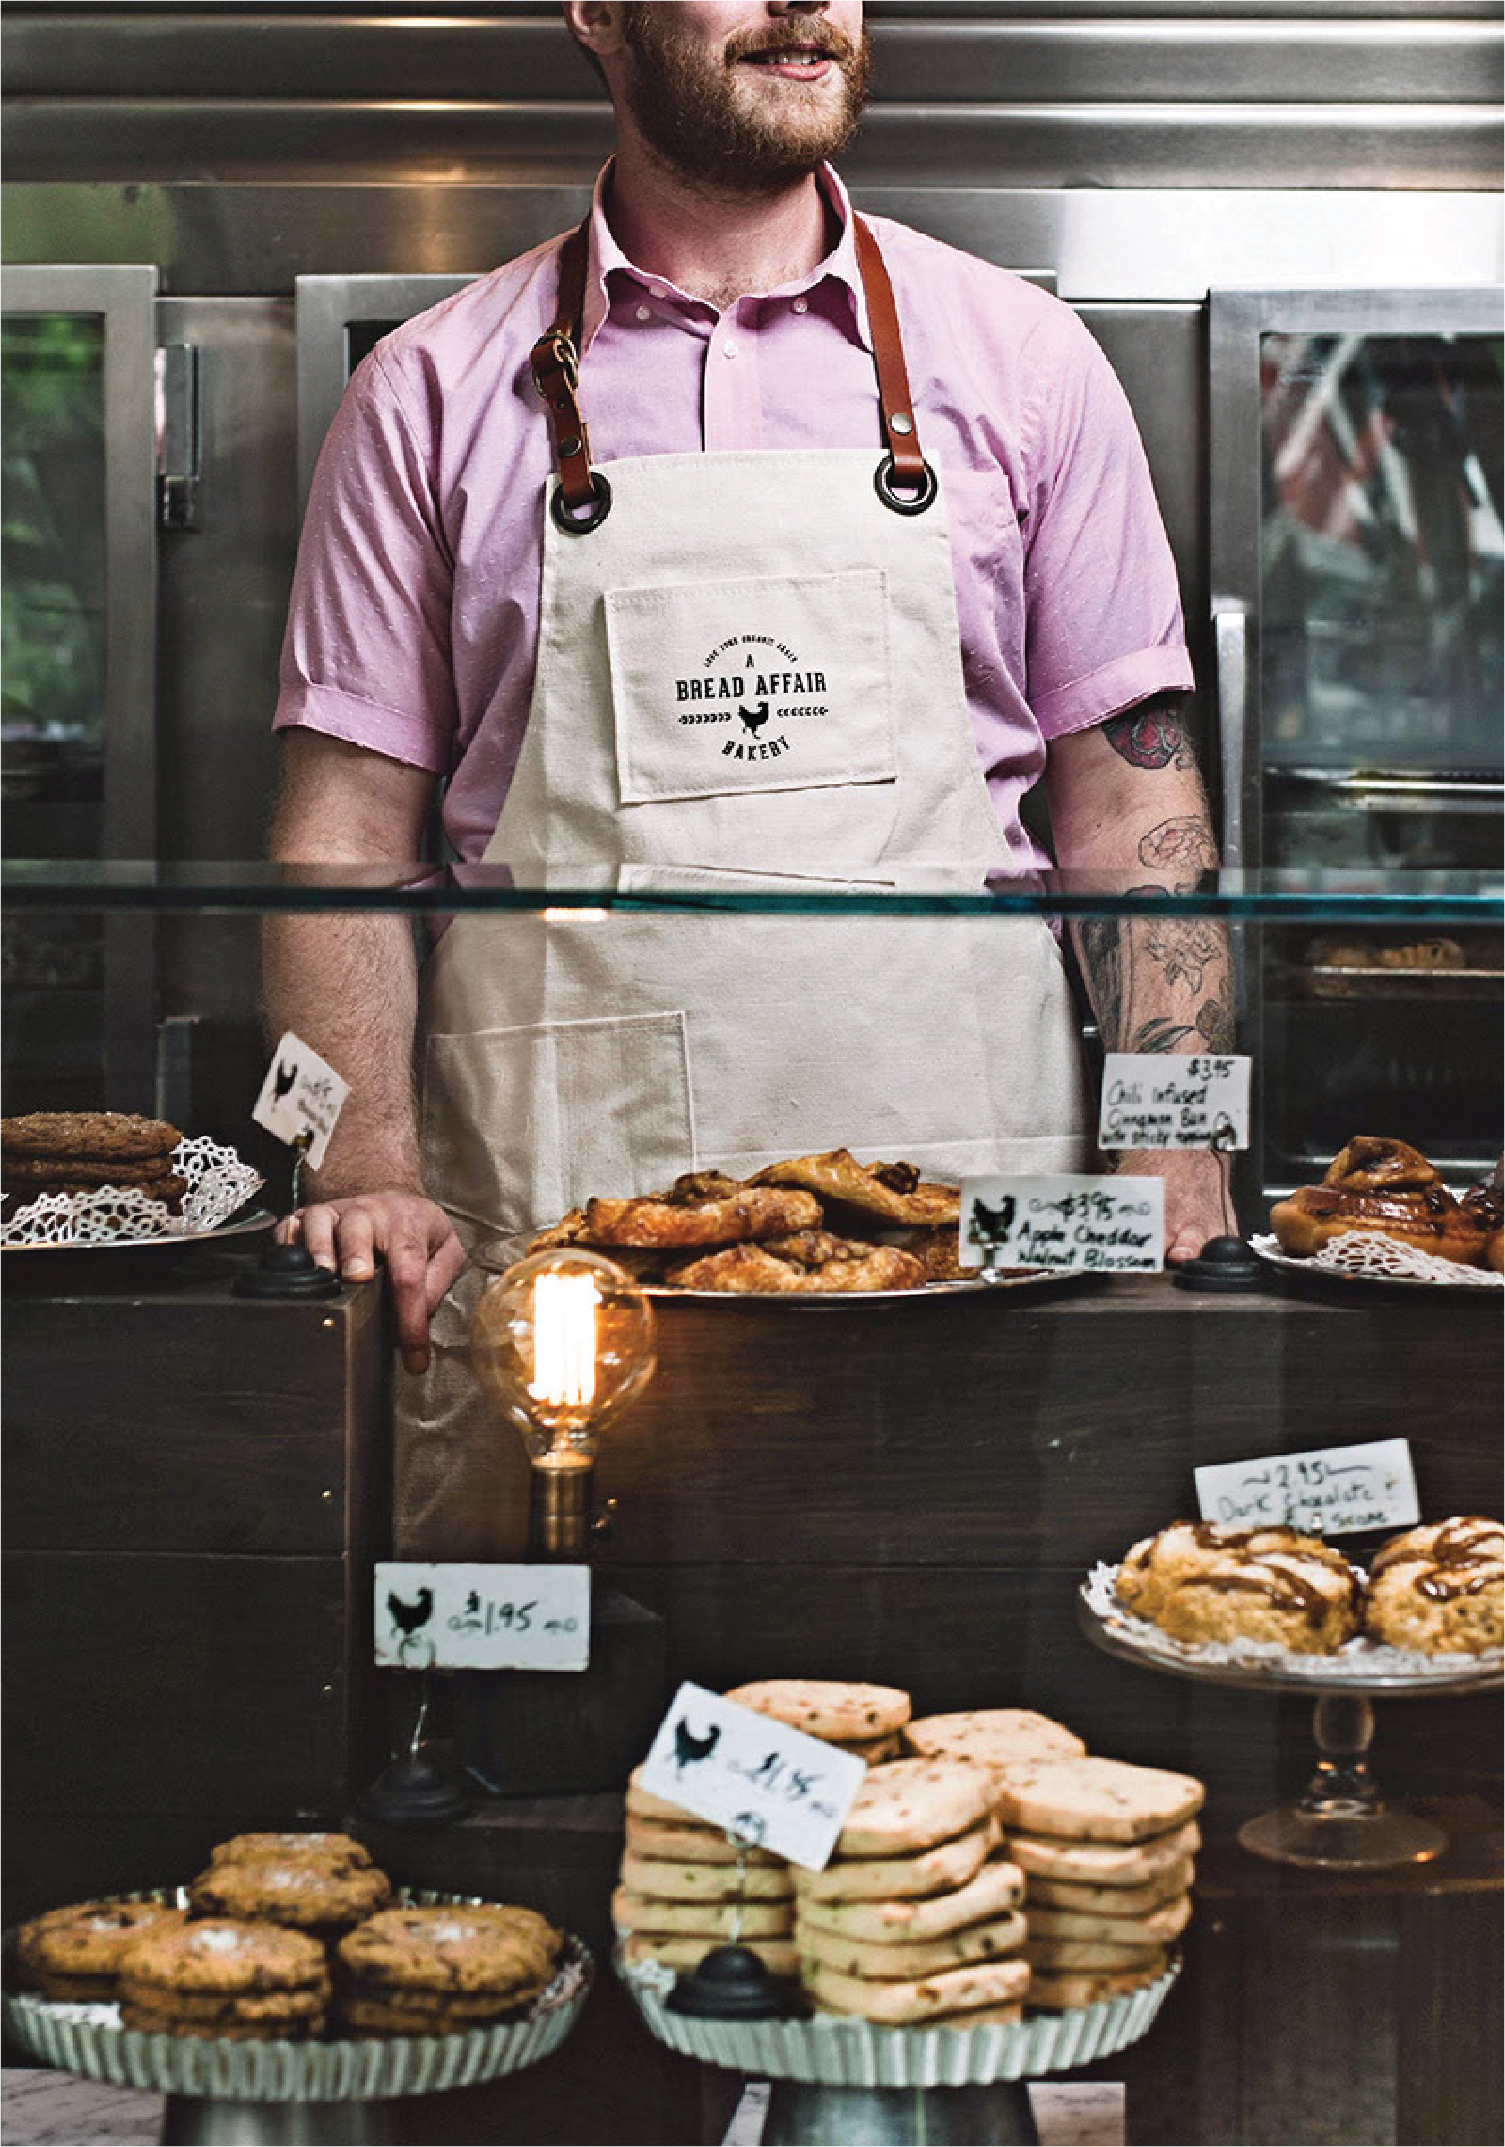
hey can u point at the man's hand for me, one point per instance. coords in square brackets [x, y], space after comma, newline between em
[1196, 1203]
[411, 1233]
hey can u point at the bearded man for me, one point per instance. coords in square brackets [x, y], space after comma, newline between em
[859, 547]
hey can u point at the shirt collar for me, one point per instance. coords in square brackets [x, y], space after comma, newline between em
[605, 256]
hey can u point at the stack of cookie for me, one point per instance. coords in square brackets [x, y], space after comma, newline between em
[79, 1151]
[866, 1719]
[74, 1953]
[323, 1884]
[686, 1888]
[442, 1971]
[1106, 1850]
[912, 1922]
[216, 1978]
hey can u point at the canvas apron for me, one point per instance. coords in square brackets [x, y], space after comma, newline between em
[748, 670]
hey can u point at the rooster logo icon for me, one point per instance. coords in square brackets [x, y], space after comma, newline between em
[990, 1226]
[690, 1749]
[754, 718]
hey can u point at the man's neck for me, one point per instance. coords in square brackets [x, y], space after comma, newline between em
[710, 241]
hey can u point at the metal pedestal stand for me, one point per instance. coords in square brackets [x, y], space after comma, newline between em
[1341, 1822]
[806, 2111]
[281, 2094]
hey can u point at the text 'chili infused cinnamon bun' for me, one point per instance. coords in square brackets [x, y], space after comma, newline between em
[1386, 1187]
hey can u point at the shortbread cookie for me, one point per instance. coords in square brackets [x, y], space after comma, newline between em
[920, 1998]
[662, 1841]
[294, 1890]
[1066, 1990]
[1056, 1955]
[778, 1955]
[900, 1878]
[643, 1804]
[911, 1803]
[827, 1708]
[873, 1751]
[997, 1887]
[722, 1920]
[666, 1879]
[1094, 1799]
[1152, 1927]
[74, 1953]
[989, 1733]
[339, 1850]
[1112, 1900]
[1100, 1863]
[991, 1940]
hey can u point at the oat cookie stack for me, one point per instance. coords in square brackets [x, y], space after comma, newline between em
[443, 1971]
[1106, 1850]
[79, 1151]
[322, 1890]
[220, 1979]
[685, 1888]
[914, 1921]
[74, 1953]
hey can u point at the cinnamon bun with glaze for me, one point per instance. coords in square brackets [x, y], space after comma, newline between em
[1382, 1186]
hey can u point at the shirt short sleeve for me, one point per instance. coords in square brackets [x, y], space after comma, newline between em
[366, 652]
[1102, 600]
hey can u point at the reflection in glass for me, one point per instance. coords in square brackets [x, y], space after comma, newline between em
[1381, 551]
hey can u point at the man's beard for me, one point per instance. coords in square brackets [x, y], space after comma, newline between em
[685, 102]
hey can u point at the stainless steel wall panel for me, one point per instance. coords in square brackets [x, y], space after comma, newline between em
[1332, 146]
[333, 55]
[1102, 243]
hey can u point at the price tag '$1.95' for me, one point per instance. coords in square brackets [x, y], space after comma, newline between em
[764, 1783]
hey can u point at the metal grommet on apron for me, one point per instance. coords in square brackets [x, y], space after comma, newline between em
[749, 672]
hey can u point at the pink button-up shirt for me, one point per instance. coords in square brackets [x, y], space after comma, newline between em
[413, 627]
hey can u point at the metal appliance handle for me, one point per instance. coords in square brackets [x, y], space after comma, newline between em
[1230, 642]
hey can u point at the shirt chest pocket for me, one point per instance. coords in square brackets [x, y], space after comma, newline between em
[768, 685]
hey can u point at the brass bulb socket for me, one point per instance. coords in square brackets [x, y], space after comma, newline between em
[559, 1511]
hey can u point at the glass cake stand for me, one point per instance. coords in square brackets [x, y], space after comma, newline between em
[285, 2094]
[1342, 1821]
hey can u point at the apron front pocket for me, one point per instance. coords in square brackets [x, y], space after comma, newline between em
[773, 684]
[522, 1124]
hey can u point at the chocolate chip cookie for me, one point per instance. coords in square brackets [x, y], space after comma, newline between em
[220, 1977]
[296, 1890]
[334, 1851]
[435, 1971]
[74, 1953]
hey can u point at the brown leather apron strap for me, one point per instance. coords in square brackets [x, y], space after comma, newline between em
[904, 466]
[584, 496]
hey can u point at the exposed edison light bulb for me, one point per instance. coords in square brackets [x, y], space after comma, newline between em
[562, 1343]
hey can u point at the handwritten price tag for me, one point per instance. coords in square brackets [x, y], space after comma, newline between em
[1113, 1226]
[482, 1617]
[769, 1785]
[301, 1098]
[1332, 1491]
[1152, 1100]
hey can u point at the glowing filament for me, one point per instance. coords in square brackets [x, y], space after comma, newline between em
[564, 1340]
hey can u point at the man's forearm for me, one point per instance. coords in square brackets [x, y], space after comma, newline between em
[348, 986]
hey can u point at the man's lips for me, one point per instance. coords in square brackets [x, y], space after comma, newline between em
[805, 63]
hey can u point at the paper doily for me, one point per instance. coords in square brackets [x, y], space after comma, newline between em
[1370, 1256]
[218, 1183]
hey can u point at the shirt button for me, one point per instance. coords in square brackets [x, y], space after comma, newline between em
[802, 305]
[645, 313]
[658, 290]
[730, 349]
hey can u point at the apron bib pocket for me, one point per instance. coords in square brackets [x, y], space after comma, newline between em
[763, 685]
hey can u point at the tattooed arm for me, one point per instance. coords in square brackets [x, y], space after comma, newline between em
[1127, 805]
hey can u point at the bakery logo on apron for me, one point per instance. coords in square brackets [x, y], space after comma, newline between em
[755, 693]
